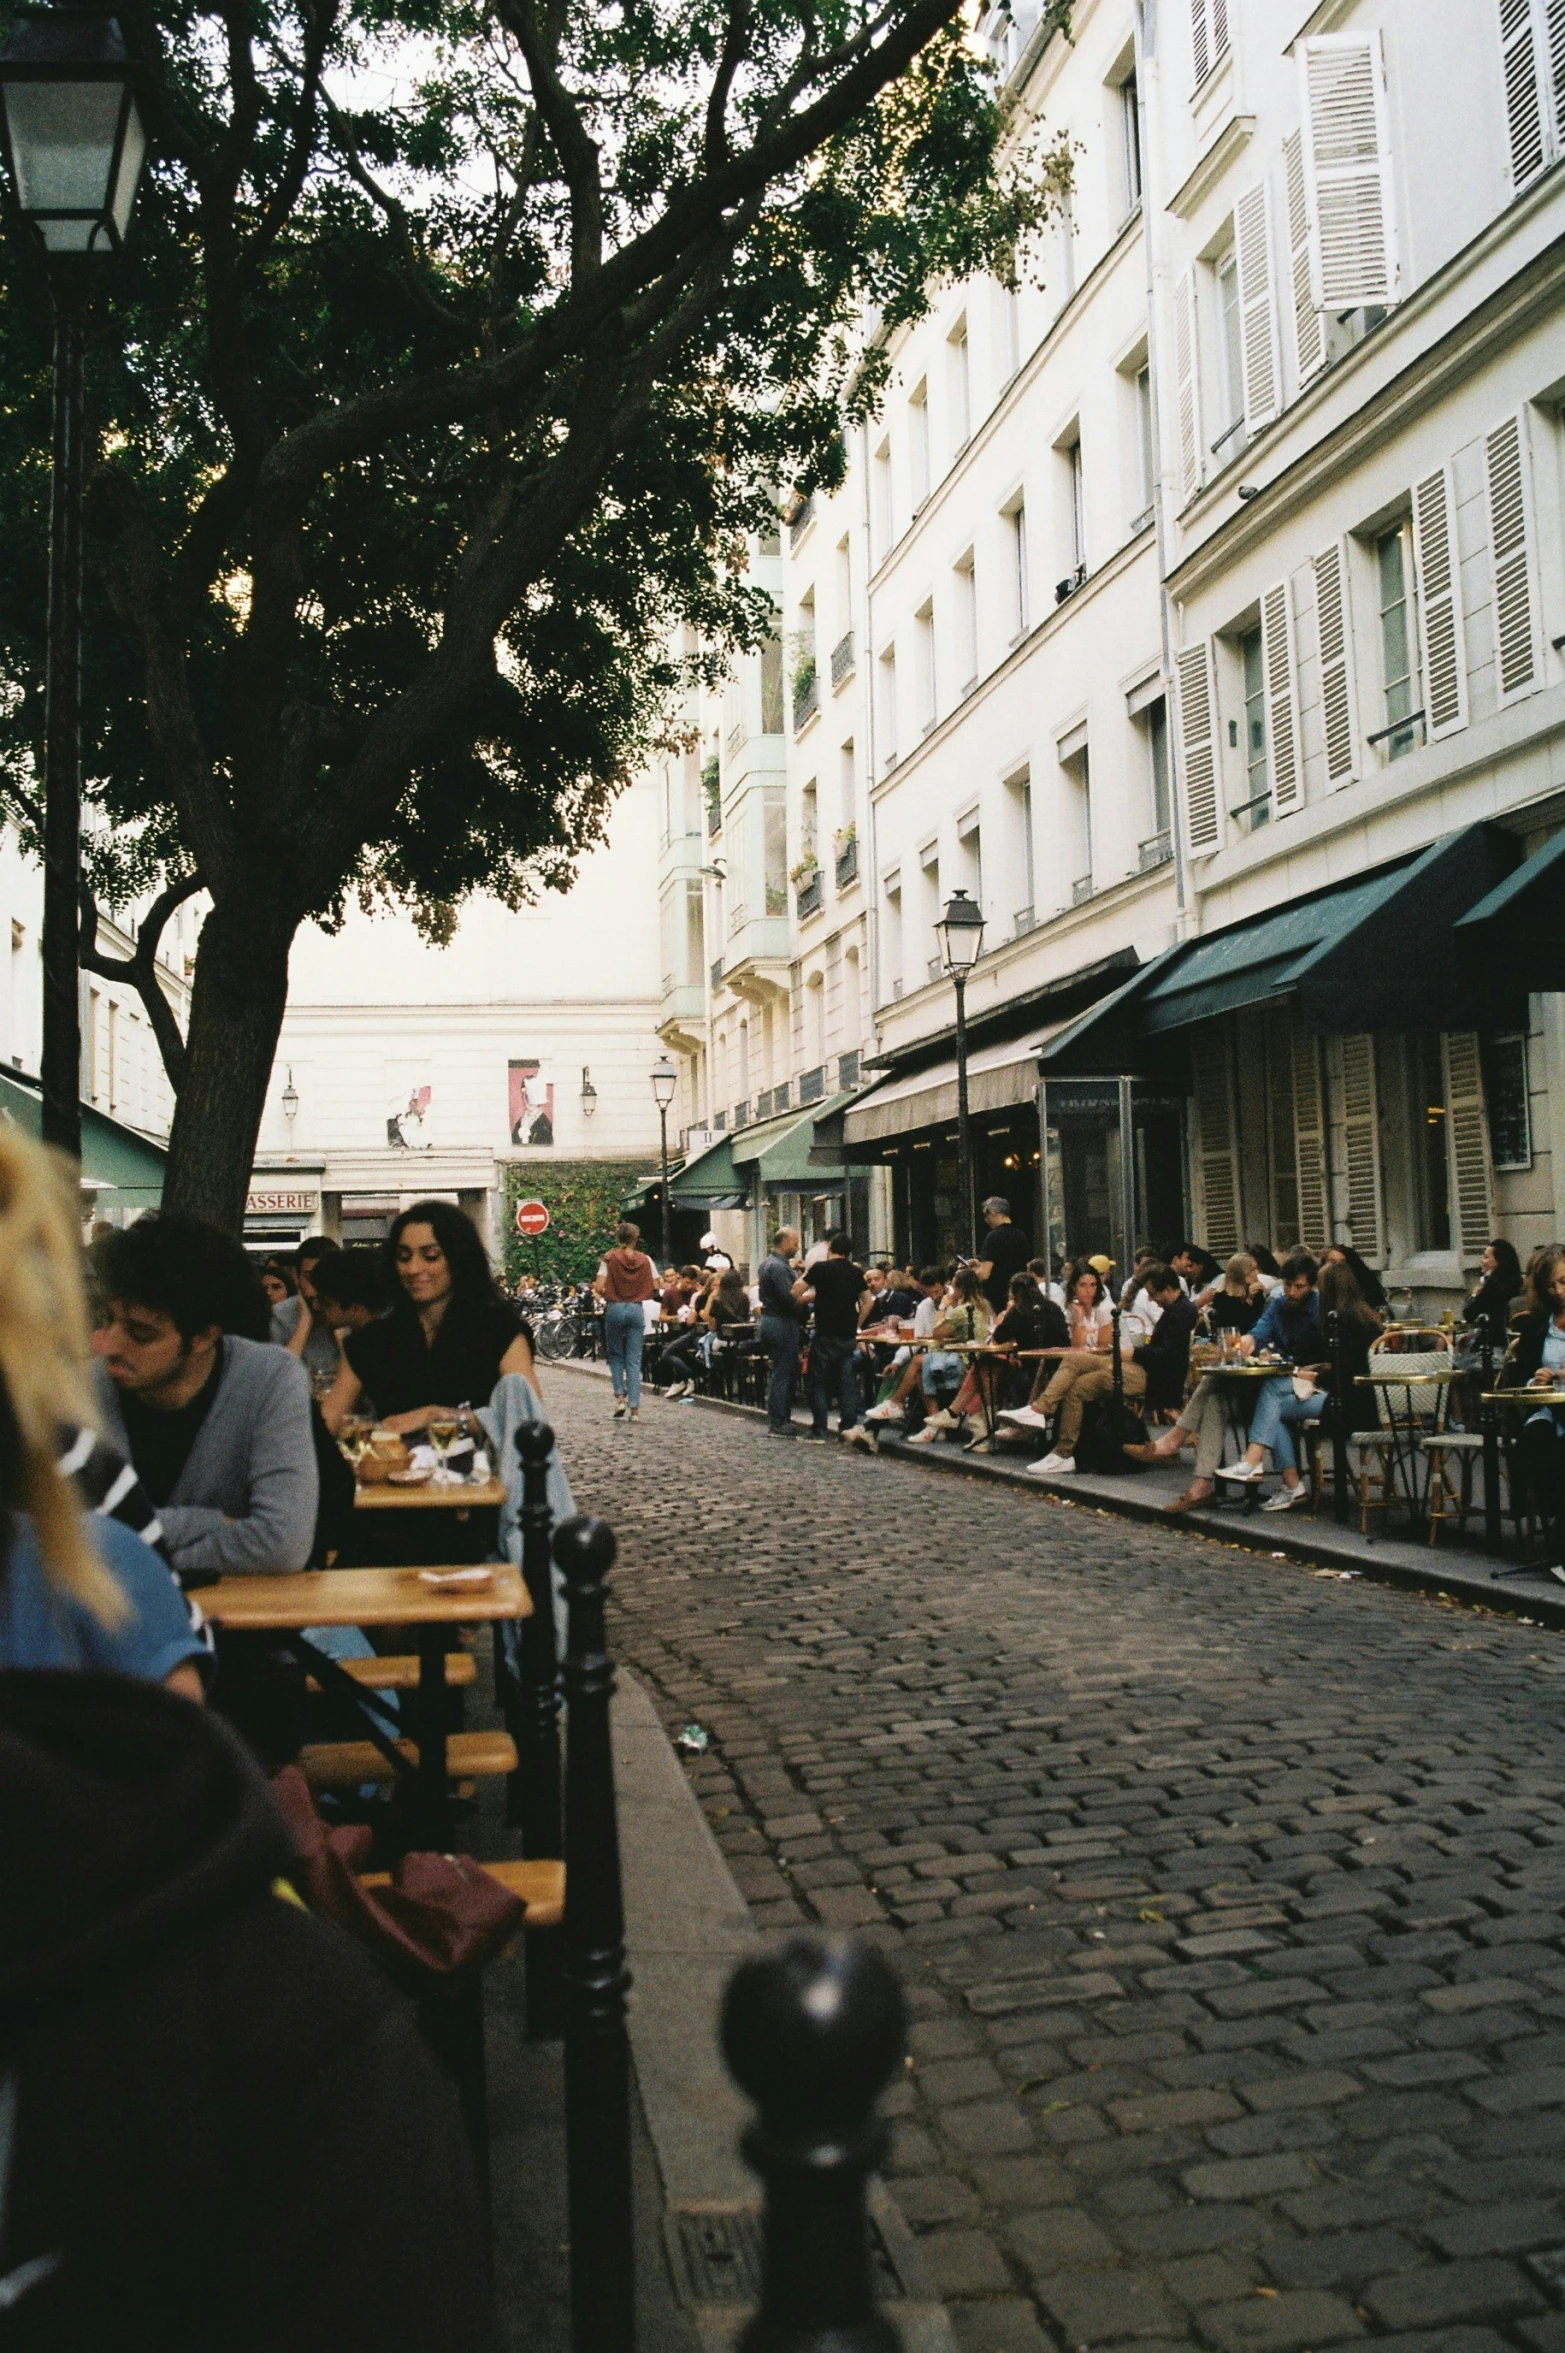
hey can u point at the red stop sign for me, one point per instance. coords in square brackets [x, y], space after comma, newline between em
[532, 1218]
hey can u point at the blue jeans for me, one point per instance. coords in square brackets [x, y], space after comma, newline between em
[1275, 1410]
[779, 1335]
[834, 1365]
[623, 1330]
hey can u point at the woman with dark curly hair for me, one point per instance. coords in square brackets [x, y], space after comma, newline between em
[451, 1332]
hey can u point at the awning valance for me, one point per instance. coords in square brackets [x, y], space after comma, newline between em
[998, 1076]
[710, 1180]
[779, 1150]
[1519, 923]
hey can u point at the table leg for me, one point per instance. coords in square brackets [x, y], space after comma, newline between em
[1493, 1525]
[431, 1803]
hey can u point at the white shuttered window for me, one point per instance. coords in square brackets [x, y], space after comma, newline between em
[1309, 335]
[1339, 718]
[1532, 50]
[1208, 35]
[1216, 1158]
[1361, 1136]
[1198, 742]
[1440, 604]
[1347, 172]
[1473, 1185]
[1282, 713]
[1257, 310]
[1511, 551]
[1187, 386]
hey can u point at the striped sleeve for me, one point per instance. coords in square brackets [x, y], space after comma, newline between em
[110, 1490]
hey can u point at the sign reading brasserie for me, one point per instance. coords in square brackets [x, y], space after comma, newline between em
[281, 1204]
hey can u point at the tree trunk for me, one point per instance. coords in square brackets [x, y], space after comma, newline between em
[236, 1012]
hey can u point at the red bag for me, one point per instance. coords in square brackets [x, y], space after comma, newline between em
[435, 1929]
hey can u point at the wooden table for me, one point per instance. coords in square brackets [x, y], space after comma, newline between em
[293, 1605]
[461, 1495]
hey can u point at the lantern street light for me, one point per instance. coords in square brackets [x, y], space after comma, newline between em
[74, 147]
[589, 1093]
[960, 932]
[665, 1085]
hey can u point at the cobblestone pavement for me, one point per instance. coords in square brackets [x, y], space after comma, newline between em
[1228, 1896]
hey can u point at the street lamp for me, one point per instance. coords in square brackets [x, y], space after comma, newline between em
[290, 1103]
[74, 147]
[960, 932]
[589, 1093]
[665, 1085]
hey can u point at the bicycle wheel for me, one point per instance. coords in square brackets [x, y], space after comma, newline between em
[556, 1336]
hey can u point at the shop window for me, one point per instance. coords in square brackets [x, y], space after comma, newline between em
[1428, 1142]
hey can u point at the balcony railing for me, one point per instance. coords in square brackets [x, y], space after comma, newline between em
[812, 1084]
[847, 865]
[800, 520]
[1157, 852]
[1022, 922]
[848, 1069]
[842, 660]
[1081, 890]
[807, 898]
[806, 700]
[717, 972]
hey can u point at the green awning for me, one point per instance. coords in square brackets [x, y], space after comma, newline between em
[1518, 922]
[127, 1166]
[710, 1180]
[779, 1149]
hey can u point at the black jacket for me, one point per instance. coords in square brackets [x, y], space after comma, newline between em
[1526, 1352]
[229, 2131]
[1165, 1358]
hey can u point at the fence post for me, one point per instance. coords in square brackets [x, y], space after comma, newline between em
[597, 2048]
[1340, 1418]
[1116, 1454]
[813, 2034]
[1489, 1425]
[537, 1797]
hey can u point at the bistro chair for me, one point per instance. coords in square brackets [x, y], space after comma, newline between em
[1406, 1418]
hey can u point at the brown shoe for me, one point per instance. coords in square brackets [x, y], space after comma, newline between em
[1147, 1453]
[1189, 1501]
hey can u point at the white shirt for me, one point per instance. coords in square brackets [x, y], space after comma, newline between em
[925, 1316]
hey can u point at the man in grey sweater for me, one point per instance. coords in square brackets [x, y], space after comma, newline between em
[217, 1426]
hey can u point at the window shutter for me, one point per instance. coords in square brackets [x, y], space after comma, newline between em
[1282, 715]
[1440, 603]
[1510, 548]
[1198, 742]
[1257, 312]
[1201, 39]
[1309, 1127]
[1473, 1190]
[1338, 719]
[1219, 28]
[1525, 114]
[1309, 340]
[1361, 1126]
[1216, 1163]
[1347, 172]
[1554, 44]
[1188, 386]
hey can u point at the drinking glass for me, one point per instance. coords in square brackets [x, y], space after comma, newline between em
[443, 1428]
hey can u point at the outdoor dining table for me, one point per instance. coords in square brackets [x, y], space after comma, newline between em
[1404, 1428]
[1489, 1403]
[297, 1604]
[397, 1525]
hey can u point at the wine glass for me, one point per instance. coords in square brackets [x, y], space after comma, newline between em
[443, 1428]
[354, 1436]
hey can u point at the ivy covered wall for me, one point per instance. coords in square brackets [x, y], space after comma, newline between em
[583, 1200]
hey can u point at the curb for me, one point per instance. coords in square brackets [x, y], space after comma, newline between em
[1529, 1595]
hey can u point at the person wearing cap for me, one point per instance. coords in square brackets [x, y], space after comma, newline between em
[715, 1261]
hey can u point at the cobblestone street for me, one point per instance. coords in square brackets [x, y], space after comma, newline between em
[1228, 1895]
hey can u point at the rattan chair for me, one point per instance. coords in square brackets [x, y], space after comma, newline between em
[1412, 1350]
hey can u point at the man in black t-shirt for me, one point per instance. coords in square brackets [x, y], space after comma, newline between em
[1005, 1253]
[838, 1290]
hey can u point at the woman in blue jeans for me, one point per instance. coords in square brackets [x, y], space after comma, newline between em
[1302, 1397]
[626, 1280]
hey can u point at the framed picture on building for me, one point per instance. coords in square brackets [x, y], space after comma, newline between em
[529, 1104]
[410, 1099]
[1510, 1108]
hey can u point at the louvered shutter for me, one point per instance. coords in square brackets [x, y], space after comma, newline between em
[1216, 1160]
[1554, 47]
[1309, 1128]
[1257, 311]
[1282, 713]
[1188, 386]
[1347, 172]
[1219, 28]
[1361, 1136]
[1283, 1225]
[1510, 548]
[1198, 742]
[1201, 39]
[1309, 338]
[1525, 111]
[1335, 634]
[1472, 1179]
[1440, 603]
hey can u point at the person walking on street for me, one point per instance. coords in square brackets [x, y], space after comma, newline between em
[782, 1305]
[838, 1289]
[626, 1280]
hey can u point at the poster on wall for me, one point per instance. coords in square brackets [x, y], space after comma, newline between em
[530, 1114]
[409, 1111]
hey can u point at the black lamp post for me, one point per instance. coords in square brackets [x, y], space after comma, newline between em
[665, 1085]
[960, 932]
[74, 146]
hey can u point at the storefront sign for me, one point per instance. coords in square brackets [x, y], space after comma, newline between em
[281, 1204]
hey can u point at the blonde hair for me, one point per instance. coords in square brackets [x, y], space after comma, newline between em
[45, 1352]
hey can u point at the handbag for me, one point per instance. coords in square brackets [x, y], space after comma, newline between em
[1303, 1385]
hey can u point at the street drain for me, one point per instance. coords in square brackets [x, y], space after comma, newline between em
[716, 2259]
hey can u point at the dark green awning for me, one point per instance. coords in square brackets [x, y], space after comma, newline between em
[710, 1180]
[1518, 923]
[779, 1150]
[118, 1160]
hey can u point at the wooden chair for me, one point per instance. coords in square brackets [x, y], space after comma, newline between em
[1410, 1349]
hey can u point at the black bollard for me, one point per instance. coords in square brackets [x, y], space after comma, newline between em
[1489, 1426]
[814, 2034]
[536, 1798]
[597, 2049]
[1115, 1457]
[1341, 1418]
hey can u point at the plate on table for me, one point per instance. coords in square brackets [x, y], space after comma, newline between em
[416, 1475]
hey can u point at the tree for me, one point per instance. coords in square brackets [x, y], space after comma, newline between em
[455, 352]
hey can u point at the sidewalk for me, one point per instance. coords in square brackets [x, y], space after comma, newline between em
[1460, 1570]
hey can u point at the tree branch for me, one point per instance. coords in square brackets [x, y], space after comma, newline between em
[140, 969]
[320, 20]
[573, 143]
[735, 42]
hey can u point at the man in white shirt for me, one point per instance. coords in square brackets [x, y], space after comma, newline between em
[931, 1285]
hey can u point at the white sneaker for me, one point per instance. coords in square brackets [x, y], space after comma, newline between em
[1247, 1473]
[1024, 1417]
[859, 1436]
[1052, 1466]
[945, 1419]
[884, 1413]
[1287, 1498]
[619, 1409]
[924, 1437]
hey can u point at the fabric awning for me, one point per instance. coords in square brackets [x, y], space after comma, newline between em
[1381, 952]
[115, 1158]
[710, 1180]
[1518, 922]
[998, 1076]
[780, 1149]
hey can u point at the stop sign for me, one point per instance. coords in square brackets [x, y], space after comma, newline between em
[532, 1218]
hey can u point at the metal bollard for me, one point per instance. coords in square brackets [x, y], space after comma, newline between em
[814, 2034]
[1341, 1418]
[597, 2048]
[536, 1798]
